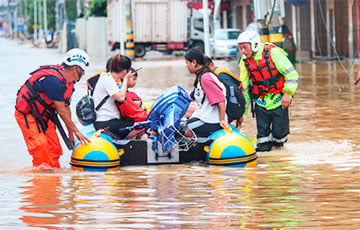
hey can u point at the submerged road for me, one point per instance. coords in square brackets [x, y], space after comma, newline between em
[312, 183]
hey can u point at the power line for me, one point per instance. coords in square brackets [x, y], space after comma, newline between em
[321, 54]
[347, 71]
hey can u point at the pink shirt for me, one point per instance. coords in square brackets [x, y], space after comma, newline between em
[211, 89]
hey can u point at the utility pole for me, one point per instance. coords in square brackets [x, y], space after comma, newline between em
[217, 14]
[206, 27]
[78, 7]
[39, 20]
[129, 37]
[45, 18]
[15, 18]
[35, 26]
[25, 16]
[10, 19]
[57, 27]
[122, 29]
[60, 11]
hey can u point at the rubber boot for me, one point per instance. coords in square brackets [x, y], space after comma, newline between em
[263, 147]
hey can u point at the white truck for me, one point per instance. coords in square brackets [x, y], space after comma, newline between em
[163, 25]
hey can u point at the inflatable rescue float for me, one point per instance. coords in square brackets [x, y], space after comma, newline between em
[167, 145]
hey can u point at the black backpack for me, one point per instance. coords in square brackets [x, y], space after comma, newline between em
[85, 108]
[235, 106]
[235, 101]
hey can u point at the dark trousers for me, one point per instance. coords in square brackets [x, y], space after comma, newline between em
[202, 129]
[116, 126]
[272, 126]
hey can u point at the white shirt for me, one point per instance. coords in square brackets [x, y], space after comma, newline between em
[206, 112]
[106, 85]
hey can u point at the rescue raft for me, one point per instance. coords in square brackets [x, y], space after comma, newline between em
[167, 145]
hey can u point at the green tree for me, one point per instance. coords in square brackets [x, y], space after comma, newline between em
[98, 8]
[70, 6]
[71, 9]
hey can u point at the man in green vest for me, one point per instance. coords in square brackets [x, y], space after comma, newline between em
[269, 80]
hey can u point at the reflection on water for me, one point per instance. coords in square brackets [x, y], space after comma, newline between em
[41, 200]
[312, 183]
[275, 194]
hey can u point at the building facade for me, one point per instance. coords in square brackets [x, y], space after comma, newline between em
[321, 28]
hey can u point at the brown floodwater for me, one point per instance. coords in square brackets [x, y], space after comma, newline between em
[312, 183]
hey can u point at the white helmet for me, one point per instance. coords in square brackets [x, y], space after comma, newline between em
[77, 57]
[250, 36]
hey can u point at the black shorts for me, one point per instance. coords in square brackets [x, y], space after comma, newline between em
[202, 129]
[116, 126]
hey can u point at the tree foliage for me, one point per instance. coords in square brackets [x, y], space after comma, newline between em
[71, 9]
[98, 8]
[70, 6]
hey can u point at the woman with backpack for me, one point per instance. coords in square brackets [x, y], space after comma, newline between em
[209, 94]
[235, 106]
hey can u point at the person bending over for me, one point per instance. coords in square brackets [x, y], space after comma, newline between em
[46, 93]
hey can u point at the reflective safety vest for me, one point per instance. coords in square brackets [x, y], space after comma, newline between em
[29, 100]
[265, 78]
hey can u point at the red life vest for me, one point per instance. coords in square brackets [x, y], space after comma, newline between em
[29, 100]
[266, 79]
[130, 110]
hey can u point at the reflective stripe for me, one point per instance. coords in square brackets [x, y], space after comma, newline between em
[195, 124]
[264, 139]
[245, 90]
[281, 140]
[291, 69]
[234, 160]
[247, 102]
[260, 102]
[79, 60]
[291, 81]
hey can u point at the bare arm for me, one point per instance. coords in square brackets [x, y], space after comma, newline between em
[121, 95]
[65, 114]
[222, 109]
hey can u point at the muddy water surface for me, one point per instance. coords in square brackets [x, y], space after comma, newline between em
[312, 183]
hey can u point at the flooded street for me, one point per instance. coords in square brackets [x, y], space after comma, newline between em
[312, 183]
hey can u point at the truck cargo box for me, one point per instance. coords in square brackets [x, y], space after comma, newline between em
[159, 21]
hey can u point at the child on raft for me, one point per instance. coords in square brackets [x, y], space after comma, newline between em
[132, 108]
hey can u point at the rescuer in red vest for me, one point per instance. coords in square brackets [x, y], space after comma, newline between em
[45, 94]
